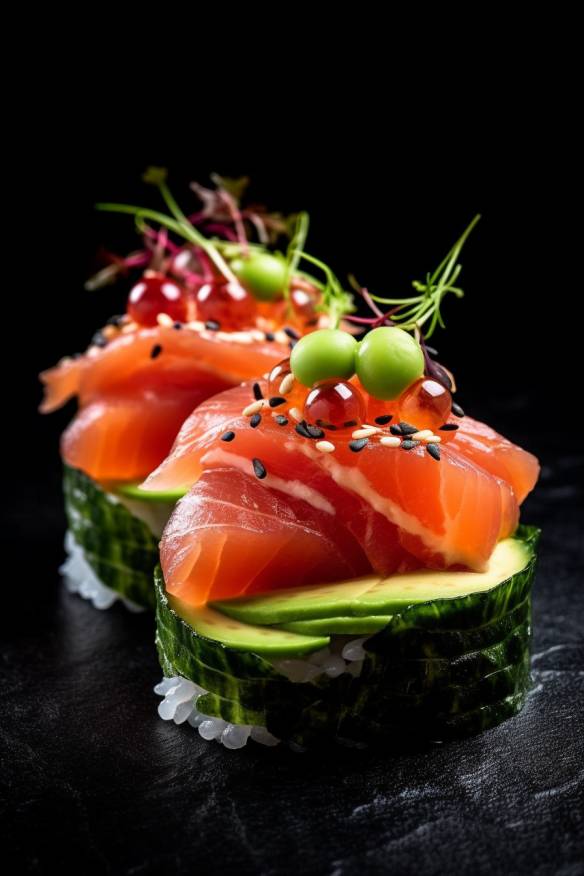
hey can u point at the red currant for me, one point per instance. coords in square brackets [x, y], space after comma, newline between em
[155, 294]
[227, 303]
[334, 404]
[425, 404]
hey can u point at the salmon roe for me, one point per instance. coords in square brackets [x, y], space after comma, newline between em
[334, 404]
[425, 404]
[296, 395]
[304, 299]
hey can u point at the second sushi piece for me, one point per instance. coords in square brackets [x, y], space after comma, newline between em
[208, 309]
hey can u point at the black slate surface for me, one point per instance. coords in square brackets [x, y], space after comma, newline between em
[93, 779]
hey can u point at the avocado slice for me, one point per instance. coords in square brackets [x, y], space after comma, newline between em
[212, 624]
[342, 626]
[134, 491]
[372, 595]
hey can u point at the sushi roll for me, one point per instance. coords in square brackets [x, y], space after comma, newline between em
[352, 570]
[208, 308]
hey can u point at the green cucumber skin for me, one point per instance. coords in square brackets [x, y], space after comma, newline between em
[437, 671]
[120, 548]
[402, 684]
[440, 729]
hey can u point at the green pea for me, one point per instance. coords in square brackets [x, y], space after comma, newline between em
[323, 354]
[388, 361]
[262, 274]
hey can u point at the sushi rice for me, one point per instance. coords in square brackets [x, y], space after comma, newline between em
[80, 578]
[180, 695]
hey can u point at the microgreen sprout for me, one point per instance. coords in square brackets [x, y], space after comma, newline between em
[336, 302]
[424, 309]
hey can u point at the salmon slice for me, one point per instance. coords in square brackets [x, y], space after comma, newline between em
[231, 536]
[61, 384]
[132, 402]
[497, 455]
[122, 438]
[402, 506]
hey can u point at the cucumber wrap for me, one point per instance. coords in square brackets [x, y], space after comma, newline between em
[119, 547]
[439, 669]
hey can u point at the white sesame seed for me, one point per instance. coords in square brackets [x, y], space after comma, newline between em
[253, 408]
[195, 325]
[390, 441]
[364, 433]
[281, 337]
[129, 327]
[286, 384]
[325, 446]
[165, 320]
[422, 435]
[433, 439]
[241, 337]
[257, 335]
[294, 412]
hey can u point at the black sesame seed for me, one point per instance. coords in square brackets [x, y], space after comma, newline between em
[177, 325]
[449, 427]
[384, 419]
[228, 436]
[302, 430]
[270, 336]
[395, 429]
[276, 401]
[350, 423]
[433, 450]
[408, 444]
[358, 445]
[99, 340]
[255, 421]
[281, 420]
[155, 351]
[408, 429]
[257, 392]
[457, 410]
[314, 431]
[258, 468]
[212, 325]
[117, 320]
[292, 333]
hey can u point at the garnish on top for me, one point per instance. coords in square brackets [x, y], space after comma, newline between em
[203, 267]
[387, 386]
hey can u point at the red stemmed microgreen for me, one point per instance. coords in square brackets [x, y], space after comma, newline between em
[222, 218]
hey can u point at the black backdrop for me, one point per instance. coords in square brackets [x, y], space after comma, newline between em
[91, 777]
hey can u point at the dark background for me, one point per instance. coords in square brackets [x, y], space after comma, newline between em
[91, 778]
